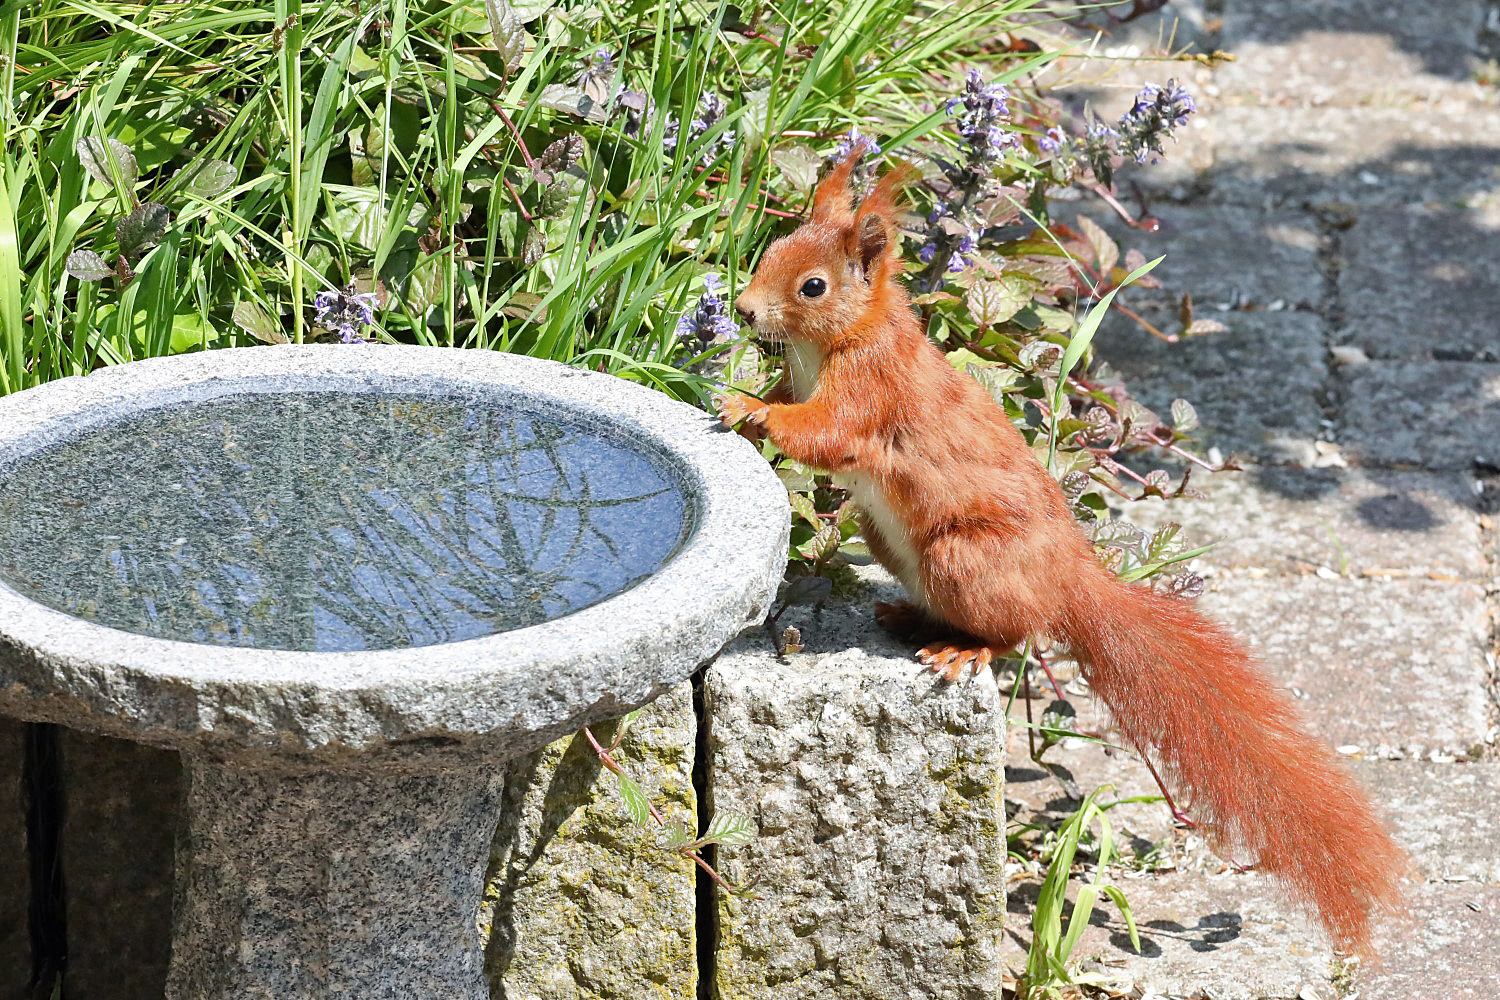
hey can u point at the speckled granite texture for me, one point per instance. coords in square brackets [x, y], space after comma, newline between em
[876, 791]
[332, 886]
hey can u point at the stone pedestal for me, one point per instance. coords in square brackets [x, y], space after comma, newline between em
[343, 782]
[332, 885]
[120, 818]
[876, 791]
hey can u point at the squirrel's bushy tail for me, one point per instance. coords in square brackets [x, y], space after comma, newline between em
[1186, 693]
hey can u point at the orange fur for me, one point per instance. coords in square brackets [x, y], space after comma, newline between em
[957, 506]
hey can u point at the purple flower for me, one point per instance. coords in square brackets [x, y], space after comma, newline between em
[956, 263]
[710, 319]
[345, 312]
[711, 110]
[854, 139]
[1051, 141]
[985, 113]
[1157, 111]
[928, 253]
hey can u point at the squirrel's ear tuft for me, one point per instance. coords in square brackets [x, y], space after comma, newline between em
[884, 199]
[869, 241]
[833, 199]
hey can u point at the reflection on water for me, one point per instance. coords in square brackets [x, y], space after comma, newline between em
[335, 521]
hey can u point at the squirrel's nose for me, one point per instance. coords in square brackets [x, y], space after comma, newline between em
[748, 315]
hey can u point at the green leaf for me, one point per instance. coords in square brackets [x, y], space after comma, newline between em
[1163, 539]
[1106, 250]
[1079, 343]
[206, 178]
[1184, 417]
[96, 156]
[803, 506]
[253, 320]
[635, 801]
[798, 165]
[992, 302]
[86, 265]
[731, 829]
[506, 32]
[142, 229]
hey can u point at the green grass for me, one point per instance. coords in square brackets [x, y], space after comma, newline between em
[337, 142]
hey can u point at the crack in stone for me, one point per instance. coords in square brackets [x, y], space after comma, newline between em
[706, 907]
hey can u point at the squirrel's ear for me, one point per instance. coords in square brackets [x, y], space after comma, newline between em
[832, 201]
[868, 242]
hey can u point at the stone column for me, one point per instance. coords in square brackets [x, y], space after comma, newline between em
[583, 902]
[876, 791]
[332, 885]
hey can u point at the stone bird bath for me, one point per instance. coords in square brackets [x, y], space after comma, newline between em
[348, 583]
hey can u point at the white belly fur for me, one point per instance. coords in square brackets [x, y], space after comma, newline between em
[803, 362]
[904, 564]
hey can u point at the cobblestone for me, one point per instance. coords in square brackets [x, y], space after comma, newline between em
[1267, 155]
[1370, 663]
[1347, 522]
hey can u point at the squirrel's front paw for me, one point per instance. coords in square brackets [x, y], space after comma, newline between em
[737, 407]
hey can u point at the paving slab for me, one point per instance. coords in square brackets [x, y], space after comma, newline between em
[1256, 387]
[1351, 52]
[876, 792]
[121, 802]
[1450, 949]
[1348, 522]
[1230, 936]
[581, 902]
[1225, 256]
[15, 880]
[1421, 283]
[1272, 155]
[1399, 663]
[1443, 814]
[1433, 414]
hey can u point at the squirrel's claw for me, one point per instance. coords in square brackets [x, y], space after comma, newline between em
[736, 407]
[950, 660]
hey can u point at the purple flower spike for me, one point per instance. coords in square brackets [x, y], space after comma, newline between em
[710, 319]
[345, 312]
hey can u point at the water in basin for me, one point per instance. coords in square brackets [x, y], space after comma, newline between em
[336, 520]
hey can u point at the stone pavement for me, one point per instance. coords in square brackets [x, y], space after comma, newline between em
[1337, 205]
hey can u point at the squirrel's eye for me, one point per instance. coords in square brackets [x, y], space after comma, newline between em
[813, 287]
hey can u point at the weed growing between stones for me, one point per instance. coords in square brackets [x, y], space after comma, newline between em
[727, 828]
[1055, 926]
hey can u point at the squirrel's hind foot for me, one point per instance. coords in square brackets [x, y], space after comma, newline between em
[904, 619]
[950, 658]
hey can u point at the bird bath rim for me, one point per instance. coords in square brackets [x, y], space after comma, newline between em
[592, 663]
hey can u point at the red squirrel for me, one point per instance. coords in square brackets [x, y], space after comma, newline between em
[956, 506]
